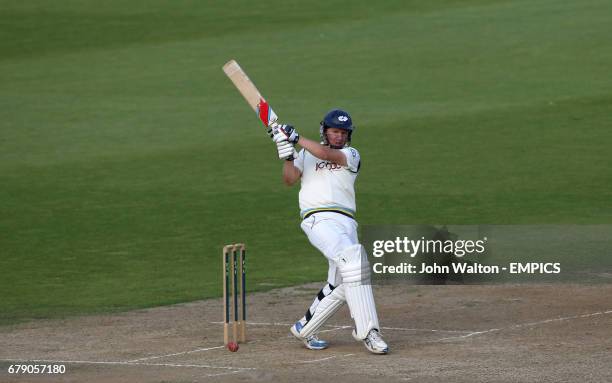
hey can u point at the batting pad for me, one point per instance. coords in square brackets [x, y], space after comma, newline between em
[355, 270]
[353, 265]
[324, 310]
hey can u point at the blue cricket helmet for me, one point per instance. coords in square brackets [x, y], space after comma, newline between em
[336, 118]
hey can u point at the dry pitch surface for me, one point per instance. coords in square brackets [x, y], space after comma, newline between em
[508, 333]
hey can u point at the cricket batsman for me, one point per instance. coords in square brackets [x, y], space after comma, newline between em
[327, 171]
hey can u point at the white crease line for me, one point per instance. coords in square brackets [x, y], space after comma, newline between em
[322, 359]
[268, 324]
[336, 329]
[317, 360]
[528, 324]
[261, 324]
[224, 373]
[127, 363]
[401, 329]
[175, 354]
[422, 329]
[341, 327]
[470, 334]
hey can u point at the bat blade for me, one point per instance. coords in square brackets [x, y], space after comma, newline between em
[250, 93]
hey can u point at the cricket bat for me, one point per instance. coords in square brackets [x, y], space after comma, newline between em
[250, 93]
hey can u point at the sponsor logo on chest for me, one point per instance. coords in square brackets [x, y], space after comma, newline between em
[326, 165]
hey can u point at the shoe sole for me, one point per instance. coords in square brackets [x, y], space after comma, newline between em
[385, 351]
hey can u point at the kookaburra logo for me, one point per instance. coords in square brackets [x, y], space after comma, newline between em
[343, 118]
[327, 165]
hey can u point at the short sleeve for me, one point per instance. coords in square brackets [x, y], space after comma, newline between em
[298, 162]
[353, 159]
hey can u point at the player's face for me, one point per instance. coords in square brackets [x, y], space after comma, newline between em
[336, 137]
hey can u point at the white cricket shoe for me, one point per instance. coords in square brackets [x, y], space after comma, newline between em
[373, 342]
[312, 342]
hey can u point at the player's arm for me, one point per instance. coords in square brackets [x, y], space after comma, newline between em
[323, 152]
[288, 133]
[291, 174]
[286, 151]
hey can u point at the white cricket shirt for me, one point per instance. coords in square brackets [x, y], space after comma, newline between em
[327, 186]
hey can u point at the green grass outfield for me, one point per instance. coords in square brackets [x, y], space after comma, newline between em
[127, 159]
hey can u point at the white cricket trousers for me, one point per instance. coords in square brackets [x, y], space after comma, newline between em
[331, 233]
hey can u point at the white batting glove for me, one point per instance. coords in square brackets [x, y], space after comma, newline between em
[284, 132]
[286, 151]
[279, 137]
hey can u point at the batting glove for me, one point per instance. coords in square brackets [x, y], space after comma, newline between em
[285, 132]
[286, 151]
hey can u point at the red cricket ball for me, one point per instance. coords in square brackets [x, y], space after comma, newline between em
[232, 346]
